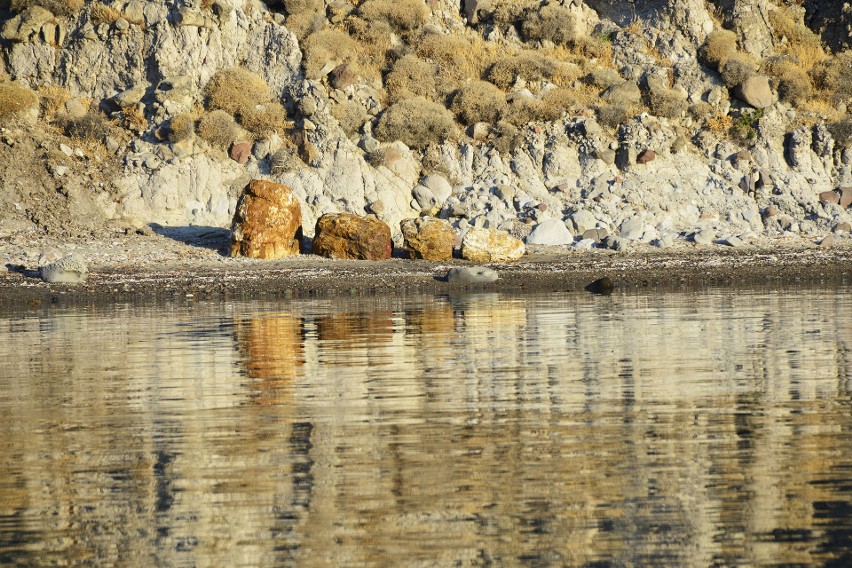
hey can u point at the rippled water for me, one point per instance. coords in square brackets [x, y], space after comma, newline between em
[700, 428]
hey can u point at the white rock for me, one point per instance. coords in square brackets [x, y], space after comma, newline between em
[550, 232]
[71, 269]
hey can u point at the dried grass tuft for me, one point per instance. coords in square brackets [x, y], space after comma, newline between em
[16, 98]
[417, 122]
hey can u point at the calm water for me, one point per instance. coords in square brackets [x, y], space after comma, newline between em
[669, 429]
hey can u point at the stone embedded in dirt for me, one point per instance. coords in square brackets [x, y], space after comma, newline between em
[550, 232]
[427, 238]
[829, 197]
[491, 245]
[626, 94]
[646, 156]
[606, 156]
[827, 241]
[267, 223]
[347, 236]
[240, 152]
[843, 227]
[845, 197]
[471, 275]
[71, 269]
[755, 91]
[771, 211]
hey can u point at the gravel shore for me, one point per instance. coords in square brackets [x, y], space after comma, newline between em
[190, 266]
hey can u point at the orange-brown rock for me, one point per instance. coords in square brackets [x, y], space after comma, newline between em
[347, 236]
[267, 223]
[427, 238]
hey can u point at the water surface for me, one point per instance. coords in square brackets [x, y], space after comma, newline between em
[663, 429]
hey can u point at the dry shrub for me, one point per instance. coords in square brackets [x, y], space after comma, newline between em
[794, 85]
[182, 127]
[593, 48]
[512, 12]
[327, 48]
[613, 115]
[524, 110]
[666, 104]
[834, 76]
[301, 6]
[700, 110]
[91, 128]
[218, 128]
[417, 122]
[304, 24]
[410, 77]
[505, 137]
[53, 99]
[532, 67]
[103, 14]
[478, 101]
[285, 159]
[801, 42]
[350, 115]
[457, 57]
[551, 22]
[737, 68]
[16, 98]
[384, 157]
[68, 8]
[264, 120]
[720, 124]
[402, 15]
[841, 131]
[133, 117]
[236, 90]
[718, 46]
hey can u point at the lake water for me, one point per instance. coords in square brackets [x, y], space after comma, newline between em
[702, 428]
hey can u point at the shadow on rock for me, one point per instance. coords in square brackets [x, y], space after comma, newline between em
[214, 238]
[24, 271]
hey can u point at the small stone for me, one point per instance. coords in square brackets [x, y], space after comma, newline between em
[603, 286]
[705, 237]
[606, 156]
[347, 236]
[843, 228]
[60, 171]
[479, 131]
[67, 150]
[679, 144]
[741, 156]
[471, 275]
[771, 211]
[424, 198]
[551, 232]
[585, 244]
[111, 144]
[845, 197]
[70, 269]
[151, 162]
[439, 186]
[615, 243]
[240, 152]
[377, 207]
[121, 24]
[828, 241]
[583, 220]
[734, 242]
[829, 197]
[632, 229]
[646, 156]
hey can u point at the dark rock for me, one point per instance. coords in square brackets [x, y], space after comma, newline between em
[240, 152]
[646, 156]
[603, 286]
[347, 236]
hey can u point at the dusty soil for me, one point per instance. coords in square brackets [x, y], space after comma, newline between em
[188, 265]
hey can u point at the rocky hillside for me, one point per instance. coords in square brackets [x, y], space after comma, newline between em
[658, 120]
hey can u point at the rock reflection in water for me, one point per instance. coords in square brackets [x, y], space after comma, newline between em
[691, 429]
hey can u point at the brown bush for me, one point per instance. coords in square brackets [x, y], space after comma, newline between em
[551, 22]
[794, 85]
[16, 98]
[524, 110]
[457, 57]
[666, 104]
[304, 24]
[505, 137]
[834, 76]
[417, 122]
[218, 128]
[285, 159]
[592, 48]
[350, 115]
[512, 12]
[236, 90]
[478, 101]
[264, 120]
[411, 76]
[327, 46]
[53, 99]
[796, 38]
[91, 128]
[737, 68]
[103, 14]
[302, 6]
[68, 8]
[841, 131]
[718, 46]
[613, 115]
[532, 67]
[182, 127]
[402, 15]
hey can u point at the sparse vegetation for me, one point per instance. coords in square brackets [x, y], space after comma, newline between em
[794, 85]
[236, 90]
[531, 67]
[841, 131]
[350, 115]
[718, 46]
[103, 14]
[401, 15]
[478, 101]
[304, 24]
[611, 115]
[736, 68]
[326, 49]
[417, 122]
[265, 119]
[67, 8]
[796, 38]
[745, 125]
[218, 128]
[182, 126]
[551, 22]
[411, 76]
[16, 98]
[505, 137]
[53, 99]
[834, 77]
[457, 57]
[91, 128]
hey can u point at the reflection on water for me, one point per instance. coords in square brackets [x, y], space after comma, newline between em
[703, 428]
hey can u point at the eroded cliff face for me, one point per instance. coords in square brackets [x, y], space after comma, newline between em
[605, 115]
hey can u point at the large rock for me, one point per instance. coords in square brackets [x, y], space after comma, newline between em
[267, 223]
[755, 91]
[347, 236]
[471, 275]
[491, 245]
[71, 269]
[550, 232]
[427, 238]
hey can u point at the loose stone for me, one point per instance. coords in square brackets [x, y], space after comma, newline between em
[471, 275]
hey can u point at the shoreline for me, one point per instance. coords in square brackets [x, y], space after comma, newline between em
[172, 271]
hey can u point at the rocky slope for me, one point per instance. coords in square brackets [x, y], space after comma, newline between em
[658, 121]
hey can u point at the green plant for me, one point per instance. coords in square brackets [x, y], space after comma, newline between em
[417, 122]
[16, 98]
[182, 127]
[236, 90]
[218, 128]
[745, 125]
[478, 101]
